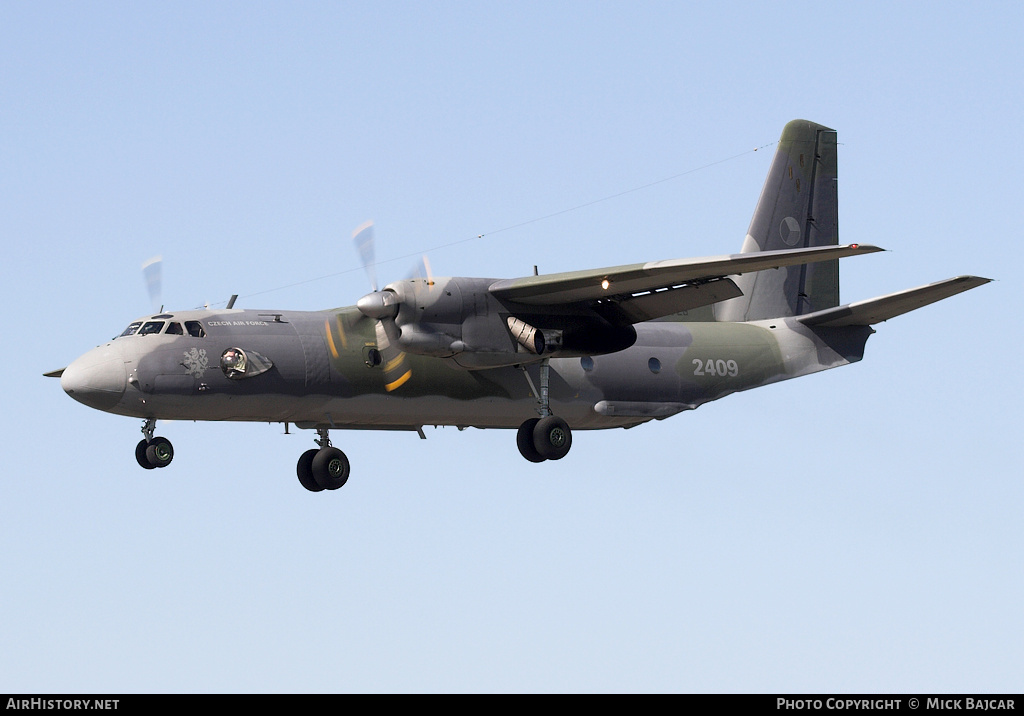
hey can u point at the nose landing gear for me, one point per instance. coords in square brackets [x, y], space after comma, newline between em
[153, 452]
[324, 469]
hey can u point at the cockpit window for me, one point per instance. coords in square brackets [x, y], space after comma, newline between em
[151, 327]
[131, 330]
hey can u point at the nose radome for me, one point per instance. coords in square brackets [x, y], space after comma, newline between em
[97, 379]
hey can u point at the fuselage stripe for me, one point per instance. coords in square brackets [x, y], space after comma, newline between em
[341, 333]
[330, 339]
[399, 382]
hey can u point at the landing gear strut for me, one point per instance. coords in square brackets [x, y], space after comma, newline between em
[326, 468]
[152, 452]
[547, 437]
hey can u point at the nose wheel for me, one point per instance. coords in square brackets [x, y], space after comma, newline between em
[153, 452]
[326, 468]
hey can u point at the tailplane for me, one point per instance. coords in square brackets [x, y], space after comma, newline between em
[798, 208]
[876, 310]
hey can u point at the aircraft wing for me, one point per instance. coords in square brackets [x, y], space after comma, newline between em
[876, 310]
[659, 288]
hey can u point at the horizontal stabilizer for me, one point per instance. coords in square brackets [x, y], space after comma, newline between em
[876, 310]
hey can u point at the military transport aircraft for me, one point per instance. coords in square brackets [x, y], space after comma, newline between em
[543, 354]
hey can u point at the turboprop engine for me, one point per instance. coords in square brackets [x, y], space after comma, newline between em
[459, 319]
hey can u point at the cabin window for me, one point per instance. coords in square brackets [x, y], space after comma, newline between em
[237, 363]
[587, 363]
[195, 329]
[233, 362]
[654, 365]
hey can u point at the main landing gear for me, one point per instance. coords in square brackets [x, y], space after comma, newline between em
[324, 469]
[547, 437]
[152, 452]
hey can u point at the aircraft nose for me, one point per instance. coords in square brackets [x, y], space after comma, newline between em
[96, 379]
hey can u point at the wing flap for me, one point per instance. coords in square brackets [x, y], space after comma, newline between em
[623, 281]
[665, 302]
[876, 310]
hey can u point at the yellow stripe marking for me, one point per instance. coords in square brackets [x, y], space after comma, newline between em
[398, 383]
[394, 363]
[330, 339]
[341, 333]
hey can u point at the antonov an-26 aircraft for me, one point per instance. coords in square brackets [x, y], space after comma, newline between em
[543, 355]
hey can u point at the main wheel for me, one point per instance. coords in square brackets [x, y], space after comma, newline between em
[330, 468]
[305, 471]
[524, 440]
[552, 438]
[140, 455]
[159, 452]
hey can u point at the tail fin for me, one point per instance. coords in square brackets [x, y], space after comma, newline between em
[798, 208]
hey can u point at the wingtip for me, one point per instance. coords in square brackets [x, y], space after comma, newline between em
[865, 248]
[976, 280]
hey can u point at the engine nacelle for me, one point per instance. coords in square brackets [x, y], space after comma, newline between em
[459, 318]
[421, 340]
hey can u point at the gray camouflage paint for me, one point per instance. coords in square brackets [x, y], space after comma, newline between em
[161, 376]
[464, 368]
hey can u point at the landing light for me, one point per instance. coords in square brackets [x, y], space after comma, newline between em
[605, 284]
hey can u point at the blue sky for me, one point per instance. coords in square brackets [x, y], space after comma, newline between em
[858, 530]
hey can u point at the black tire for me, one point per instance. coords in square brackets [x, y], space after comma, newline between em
[140, 455]
[552, 438]
[305, 471]
[330, 468]
[524, 440]
[159, 452]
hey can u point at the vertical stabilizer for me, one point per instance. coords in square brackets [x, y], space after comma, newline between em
[798, 208]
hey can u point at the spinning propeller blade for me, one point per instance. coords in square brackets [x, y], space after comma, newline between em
[396, 367]
[382, 306]
[151, 272]
[422, 271]
[363, 238]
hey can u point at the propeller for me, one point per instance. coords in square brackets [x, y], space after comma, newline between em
[382, 307]
[421, 271]
[151, 272]
[363, 239]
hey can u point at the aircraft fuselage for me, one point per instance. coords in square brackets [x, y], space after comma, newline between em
[323, 374]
